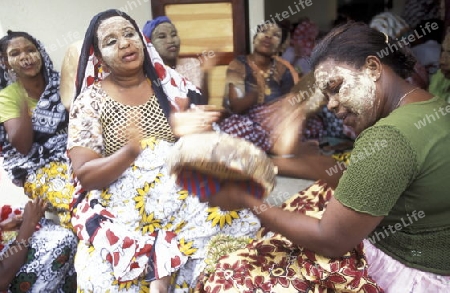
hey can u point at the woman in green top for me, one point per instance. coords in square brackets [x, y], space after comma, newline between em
[393, 197]
[33, 124]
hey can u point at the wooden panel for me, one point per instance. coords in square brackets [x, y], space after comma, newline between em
[220, 26]
[216, 84]
[217, 27]
[209, 23]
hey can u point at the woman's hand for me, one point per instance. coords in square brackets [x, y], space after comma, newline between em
[194, 120]
[134, 133]
[11, 224]
[34, 211]
[230, 197]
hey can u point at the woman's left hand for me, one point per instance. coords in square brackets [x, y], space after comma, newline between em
[194, 120]
[12, 223]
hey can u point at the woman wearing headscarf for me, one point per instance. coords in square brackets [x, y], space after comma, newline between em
[137, 228]
[33, 124]
[33, 133]
[164, 36]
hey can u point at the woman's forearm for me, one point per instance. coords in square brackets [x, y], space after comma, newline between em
[20, 133]
[301, 229]
[99, 173]
[15, 256]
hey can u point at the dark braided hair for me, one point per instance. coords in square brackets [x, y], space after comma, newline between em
[353, 42]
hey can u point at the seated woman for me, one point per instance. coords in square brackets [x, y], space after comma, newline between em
[164, 36]
[35, 260]
[302, 42]
[33, 124]
[391, 201]
[137, 228]
[258, 86]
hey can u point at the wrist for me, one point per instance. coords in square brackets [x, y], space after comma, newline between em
[133, 148]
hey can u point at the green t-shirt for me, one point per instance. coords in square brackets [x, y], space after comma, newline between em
[11, 98]
[400, 169]
[440, 86]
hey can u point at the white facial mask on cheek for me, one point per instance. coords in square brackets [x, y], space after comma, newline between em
[357, 91]
[114, 26]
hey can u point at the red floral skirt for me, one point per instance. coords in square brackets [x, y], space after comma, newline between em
[272, 263]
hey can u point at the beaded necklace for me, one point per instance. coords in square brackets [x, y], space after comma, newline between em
[267, 75]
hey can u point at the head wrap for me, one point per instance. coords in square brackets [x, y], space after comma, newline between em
[169, 86]
[389, 24]
[150, 25]
[304, 36]
[50, 120]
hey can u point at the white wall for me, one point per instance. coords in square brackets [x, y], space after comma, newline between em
[322, 12]
[58, 23]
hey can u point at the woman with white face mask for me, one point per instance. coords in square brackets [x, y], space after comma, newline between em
[137, 228]
[392, 199]
[33, 138]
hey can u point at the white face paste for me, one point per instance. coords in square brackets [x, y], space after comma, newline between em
[351, 92]
[119, 43]
[268, 39]
[23, 57]
[166, 41]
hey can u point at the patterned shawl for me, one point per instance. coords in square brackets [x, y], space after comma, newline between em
[49, 119]
[171, 89]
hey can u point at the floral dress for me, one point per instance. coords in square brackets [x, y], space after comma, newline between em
[143, 226]
[49, 265]
[272, 263]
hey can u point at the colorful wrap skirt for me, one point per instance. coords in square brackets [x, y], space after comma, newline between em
[50, 261]
[272, 263]
[51, 183]
[145, 227]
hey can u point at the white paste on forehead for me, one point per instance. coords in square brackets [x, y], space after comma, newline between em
[112, 23]
[115, 27]
[357, 91]
[16, 62]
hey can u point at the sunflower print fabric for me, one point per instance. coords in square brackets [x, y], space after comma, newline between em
[271, 263]
[51, 183]
[143, 226]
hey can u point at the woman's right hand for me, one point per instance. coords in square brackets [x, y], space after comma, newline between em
[133, 133]
[34, 211]
[194, 120]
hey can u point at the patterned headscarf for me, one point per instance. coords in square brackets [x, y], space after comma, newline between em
[304, 36]
[416, 11]
[169, 86]
[390, 24]
[49, 119]
[150, 25]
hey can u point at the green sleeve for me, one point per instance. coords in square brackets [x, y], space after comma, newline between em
[382, 165]
[9, 107]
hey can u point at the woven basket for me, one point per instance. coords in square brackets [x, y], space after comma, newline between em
[201, 161]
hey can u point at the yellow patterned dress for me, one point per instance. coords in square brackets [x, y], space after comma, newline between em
[143, 226]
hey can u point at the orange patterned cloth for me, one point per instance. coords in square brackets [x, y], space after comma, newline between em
[272, 263]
